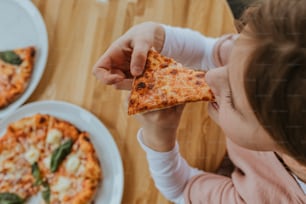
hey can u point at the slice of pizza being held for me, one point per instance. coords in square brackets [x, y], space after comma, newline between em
[16, 67]
[166, 83]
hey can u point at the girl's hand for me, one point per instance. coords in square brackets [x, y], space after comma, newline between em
[126, 57]
[159, 127]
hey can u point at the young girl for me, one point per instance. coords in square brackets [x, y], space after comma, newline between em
[260, 105]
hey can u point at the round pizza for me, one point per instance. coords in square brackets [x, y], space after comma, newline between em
[47, 155]
[16, 67]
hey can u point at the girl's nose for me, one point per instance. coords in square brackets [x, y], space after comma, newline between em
[216, 78]
[215, 75]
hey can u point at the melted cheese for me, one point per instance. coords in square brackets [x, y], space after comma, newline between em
[9, 166]
[47, 162]
[3, 156]
[32, 155]
[73, 164]
[11, 176]
[81, 170]
[63, 183]
[54, 137]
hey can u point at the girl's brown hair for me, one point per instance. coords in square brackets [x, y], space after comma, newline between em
[275, 77]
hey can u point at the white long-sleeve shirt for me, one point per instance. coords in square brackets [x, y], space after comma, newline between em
[189, 47]
[169, 171]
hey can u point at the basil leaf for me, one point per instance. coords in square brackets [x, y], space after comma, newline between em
[10, 57]
[60, 154]
[10, 198]
[46, 192]
[36, 173]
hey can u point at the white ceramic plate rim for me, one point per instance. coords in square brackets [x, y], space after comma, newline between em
[111, 190]
[41, 54]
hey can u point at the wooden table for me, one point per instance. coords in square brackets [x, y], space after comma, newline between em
[81, 30]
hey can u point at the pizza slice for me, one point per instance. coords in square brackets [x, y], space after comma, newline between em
[16, 180]
[165, 83]
[77, 179]
[16, 67]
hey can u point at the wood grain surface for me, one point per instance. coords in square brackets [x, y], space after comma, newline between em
[81, 30]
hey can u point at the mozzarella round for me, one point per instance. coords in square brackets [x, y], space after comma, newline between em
[72, 164]
[32, 155]
[54, 137]
[63, 183]
[47, 162]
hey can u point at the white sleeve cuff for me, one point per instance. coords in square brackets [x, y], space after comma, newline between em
[189, 47]
[169, 171]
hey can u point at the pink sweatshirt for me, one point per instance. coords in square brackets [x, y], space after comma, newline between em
[259, 178]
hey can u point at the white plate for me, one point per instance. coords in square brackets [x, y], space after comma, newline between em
[111, 189]
[22, 25]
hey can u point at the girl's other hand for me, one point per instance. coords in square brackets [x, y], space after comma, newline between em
[126, 57]
[159, 127]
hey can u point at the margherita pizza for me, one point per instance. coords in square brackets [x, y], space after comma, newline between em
[165, 83]
[44, 154]
[16, 68]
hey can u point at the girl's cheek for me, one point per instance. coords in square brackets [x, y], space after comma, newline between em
[229, 124]
[224, 121]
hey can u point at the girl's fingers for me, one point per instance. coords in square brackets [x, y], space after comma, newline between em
[139, 57]
[109, 76]
[125, 84]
